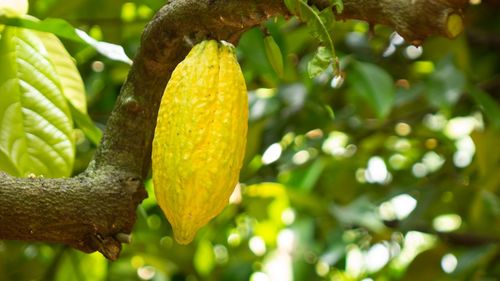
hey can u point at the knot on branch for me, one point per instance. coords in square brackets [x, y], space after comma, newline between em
[108, 246]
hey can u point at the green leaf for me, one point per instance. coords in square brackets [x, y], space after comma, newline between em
[374, 85]
[274, 55]
[58, 27]
[83, 121]
[321, 60]
[63, 29]
[338, 4]
[204, 258]
[321, 24]
[252, 42]
[36, 127]
[69, 76]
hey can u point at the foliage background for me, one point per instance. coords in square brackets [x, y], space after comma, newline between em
[390, 175]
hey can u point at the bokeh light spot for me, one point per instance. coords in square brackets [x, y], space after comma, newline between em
[272, 154]
[447, 223]
[449, 263]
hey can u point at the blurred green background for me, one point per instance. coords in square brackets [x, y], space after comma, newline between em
[392, 173]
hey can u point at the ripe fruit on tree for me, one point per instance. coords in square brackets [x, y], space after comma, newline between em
[200, 137]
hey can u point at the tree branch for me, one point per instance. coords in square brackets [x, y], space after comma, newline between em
[87, 212]
[94, 211]
[414, 20]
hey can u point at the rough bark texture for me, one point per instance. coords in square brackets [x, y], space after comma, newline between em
[94, 211]
[415, 20]
[86, 212]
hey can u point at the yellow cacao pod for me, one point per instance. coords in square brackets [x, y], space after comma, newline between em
[200, 138]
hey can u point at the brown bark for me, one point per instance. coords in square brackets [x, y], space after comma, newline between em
[86, 212]
[94, 211]
[414, 20]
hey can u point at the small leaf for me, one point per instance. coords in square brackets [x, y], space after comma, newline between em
[327, 19]
[338, 4]
[320, 62]
[374, 85]
[111, 51]
[71, 81]
[83, 121]
[36, 127]
[321, 24]
[274, 55]
[252, 42]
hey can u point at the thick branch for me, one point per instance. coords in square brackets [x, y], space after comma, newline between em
[414, 20]
[90, 211]
[86, 212]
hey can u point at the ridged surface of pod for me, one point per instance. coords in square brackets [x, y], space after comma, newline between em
[200, 138]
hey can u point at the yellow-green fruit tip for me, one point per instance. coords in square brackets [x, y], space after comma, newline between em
[184, 238]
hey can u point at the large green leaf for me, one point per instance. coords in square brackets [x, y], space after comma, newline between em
[36, 126]
[72, 85]
[65, 30]
[374, 85]
[69, 76]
